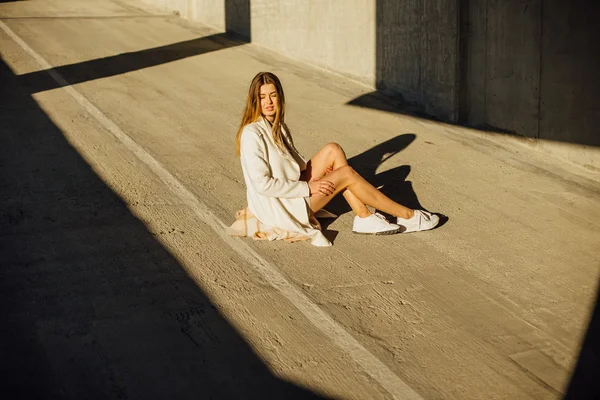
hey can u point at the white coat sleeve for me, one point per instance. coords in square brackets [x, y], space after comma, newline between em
[254, 160]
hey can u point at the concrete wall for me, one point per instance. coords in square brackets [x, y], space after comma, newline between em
[532, 69]
[336, 35]
[207, 12]
[570, 72]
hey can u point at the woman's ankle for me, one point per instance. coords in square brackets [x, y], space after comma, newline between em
[407, 214]
[363, 214]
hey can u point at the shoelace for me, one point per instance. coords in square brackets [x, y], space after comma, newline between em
[381, 217]
[424, 215]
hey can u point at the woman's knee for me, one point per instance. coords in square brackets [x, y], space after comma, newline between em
[333, 148]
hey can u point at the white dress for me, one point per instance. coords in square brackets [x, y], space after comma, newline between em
[276, 195]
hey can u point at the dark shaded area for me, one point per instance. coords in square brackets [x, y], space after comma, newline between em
[585, 381]
[126, 62]
[92, 305]
[329, 234]
[416, 53]
[522, 67]
[417, 69]
[464, 33]
[393, 102]
[385, 100]
[238, 19]
[392, 182]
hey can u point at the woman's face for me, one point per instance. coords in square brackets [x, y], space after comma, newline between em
[269, 103]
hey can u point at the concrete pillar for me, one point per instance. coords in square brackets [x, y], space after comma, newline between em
[440, 58]
[513, 45]
[570, 73]
[417, 53]
[473, 61]
[237, 18]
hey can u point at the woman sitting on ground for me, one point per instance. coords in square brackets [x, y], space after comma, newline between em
[284, 191]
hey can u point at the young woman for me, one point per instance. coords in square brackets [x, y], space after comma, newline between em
[284, 191]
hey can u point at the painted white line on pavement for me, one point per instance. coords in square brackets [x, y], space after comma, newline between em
[370, 364]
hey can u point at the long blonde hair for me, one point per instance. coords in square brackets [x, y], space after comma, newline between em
[253, 110]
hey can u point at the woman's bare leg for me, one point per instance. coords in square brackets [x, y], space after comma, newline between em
[346, 178]
[333, 156]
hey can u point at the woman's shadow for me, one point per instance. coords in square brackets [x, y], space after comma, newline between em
[392, 182]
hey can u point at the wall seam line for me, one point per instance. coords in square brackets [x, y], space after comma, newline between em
[485, 66]
[539, 124]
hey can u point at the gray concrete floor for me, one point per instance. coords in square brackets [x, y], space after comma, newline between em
[113, 287]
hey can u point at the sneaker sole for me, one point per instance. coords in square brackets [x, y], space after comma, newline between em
[392, 232]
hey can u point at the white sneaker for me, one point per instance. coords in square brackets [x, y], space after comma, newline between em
[421, 221]
[374, 224]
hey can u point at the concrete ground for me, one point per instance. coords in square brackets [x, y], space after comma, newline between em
[118, 282]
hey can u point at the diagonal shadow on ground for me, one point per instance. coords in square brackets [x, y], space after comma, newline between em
[92, 305]
[127, 62]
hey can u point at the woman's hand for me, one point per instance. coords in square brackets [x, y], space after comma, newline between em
[321, 186]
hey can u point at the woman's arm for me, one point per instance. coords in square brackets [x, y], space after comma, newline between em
[254, 160]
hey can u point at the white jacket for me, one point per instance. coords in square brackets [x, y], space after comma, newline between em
[276, 195]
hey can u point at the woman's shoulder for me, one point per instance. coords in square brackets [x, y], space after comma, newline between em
[252, 134]
[252, 131]
[254, 127]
